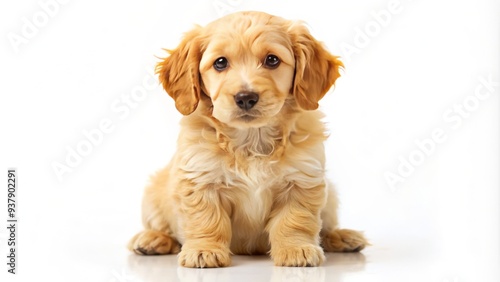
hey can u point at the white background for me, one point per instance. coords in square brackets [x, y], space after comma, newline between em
[75, 65]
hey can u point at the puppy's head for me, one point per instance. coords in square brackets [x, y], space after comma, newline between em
[250, 65]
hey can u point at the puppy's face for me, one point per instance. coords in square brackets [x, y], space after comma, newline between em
[247, 70]
[250, 65]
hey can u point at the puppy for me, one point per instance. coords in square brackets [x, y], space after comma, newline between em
[248, 176]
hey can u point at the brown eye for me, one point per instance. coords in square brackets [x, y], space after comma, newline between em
[220, 64]
[272, 61]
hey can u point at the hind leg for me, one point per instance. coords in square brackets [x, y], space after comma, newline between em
[152, 242]
[334, 239]
[343, 240]
[157, 217]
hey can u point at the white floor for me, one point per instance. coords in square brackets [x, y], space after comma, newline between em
[409, 93]
[98, 259]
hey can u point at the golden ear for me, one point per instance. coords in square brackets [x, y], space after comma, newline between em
[315, 68]
[179, 73]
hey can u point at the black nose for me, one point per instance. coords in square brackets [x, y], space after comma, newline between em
[246, 100]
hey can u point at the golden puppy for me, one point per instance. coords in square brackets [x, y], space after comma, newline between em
[248, 176]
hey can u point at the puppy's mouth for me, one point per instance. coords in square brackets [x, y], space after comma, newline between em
[247, 116]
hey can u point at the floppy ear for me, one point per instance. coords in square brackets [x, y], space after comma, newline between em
[315, 68]
[179, 73]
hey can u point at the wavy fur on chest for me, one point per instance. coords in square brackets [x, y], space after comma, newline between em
[210, 152]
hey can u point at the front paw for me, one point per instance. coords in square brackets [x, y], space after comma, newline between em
[204, 258]
[309, 255]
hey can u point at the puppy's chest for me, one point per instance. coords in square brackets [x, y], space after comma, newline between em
[256, 173]
[251, 188]
[249, 160]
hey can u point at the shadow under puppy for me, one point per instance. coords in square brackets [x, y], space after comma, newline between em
[248, 176]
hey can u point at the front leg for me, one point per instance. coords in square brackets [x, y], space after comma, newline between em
[207, 229]
[295, 225]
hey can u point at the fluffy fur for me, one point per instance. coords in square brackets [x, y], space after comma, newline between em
[246, 181]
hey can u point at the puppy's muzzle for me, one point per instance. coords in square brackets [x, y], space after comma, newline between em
[246, 100]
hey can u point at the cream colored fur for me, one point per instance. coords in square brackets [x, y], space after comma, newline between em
[246, 181]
